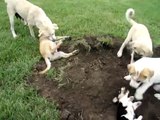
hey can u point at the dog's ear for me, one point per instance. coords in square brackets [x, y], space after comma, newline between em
[131, 68]
[146, 73]
[55, 26]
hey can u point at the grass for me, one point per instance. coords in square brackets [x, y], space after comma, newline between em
[75, 18]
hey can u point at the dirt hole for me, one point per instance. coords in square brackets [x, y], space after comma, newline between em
[84, 85]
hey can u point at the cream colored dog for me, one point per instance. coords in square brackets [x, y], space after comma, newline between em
[143, 74]
[48, 50]
[138, 38]
[32, 15]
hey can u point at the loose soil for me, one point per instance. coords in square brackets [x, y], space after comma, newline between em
[85, 84]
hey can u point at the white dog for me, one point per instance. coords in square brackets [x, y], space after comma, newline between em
[144, 73]
[32, 15]
[48, 50]
[126, 106]
[138, 39]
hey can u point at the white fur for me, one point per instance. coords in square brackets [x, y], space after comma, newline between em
[128, 103]
[138, 38]
[32, 15]
[145, 62]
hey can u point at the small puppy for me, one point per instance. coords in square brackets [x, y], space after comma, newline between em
[32, 15]
[126, 106]
[144, 73]
[138, 39]
[48, 50]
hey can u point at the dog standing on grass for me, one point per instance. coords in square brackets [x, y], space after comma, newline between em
[49, 52]
[32, 15]
[138, 39]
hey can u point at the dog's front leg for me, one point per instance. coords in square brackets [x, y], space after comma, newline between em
[141, 90]
[62, 37]
[132, 57]
[11, 19]
[31, 30]
[134, 84]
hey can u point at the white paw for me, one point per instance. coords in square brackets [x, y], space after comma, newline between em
[128, 77]
[134, 84]
[139, 118]
[157, 95]
[119, 54]
[156, 88]
[138, 96]
[15, 36]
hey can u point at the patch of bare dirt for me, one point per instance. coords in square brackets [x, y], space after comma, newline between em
[90, 81]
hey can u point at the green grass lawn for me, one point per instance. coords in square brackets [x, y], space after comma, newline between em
[18, 101]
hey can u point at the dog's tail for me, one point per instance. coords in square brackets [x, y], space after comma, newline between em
[48, 63]
[129, 14]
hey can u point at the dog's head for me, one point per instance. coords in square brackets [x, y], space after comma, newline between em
[142, 75]
[143, 50]
[48, 30]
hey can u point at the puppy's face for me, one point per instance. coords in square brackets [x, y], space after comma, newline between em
[140, 76]
[48, 31]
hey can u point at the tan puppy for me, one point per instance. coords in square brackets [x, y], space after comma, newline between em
[144, 73]
[48, 50]
[32, 15]
[138, 39]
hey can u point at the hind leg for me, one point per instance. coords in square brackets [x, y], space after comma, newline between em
[61, 54]
[11, 14]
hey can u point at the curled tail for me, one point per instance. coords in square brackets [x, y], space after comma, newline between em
[129, 14]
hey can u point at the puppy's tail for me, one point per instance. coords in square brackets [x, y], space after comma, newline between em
[48, 63]
[129, 14]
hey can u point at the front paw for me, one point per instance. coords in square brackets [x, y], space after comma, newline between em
[128, 77]
[157, 95]
[138, 96]
[119, 54]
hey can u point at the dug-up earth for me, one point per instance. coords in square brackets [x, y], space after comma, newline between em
[84, 85]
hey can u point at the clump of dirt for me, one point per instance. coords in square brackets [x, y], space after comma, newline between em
[90, 80]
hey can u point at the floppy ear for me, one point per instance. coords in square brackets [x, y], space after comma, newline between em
[131, 68]
[55, 26]
[146, 73]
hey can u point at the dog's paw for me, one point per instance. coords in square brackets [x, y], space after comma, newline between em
[157, 95]
[67, 37]
[156, 88]
[138, 96]
[128, 77]
[119, 54]
[139, 118]
[115, 100]
[75, 52]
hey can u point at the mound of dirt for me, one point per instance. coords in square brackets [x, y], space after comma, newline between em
[86, 83]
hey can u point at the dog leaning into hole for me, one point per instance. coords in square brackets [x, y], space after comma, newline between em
[32, 15]
[138, 39]
[126, 107]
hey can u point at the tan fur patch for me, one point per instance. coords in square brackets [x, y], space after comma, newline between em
[131, 69]
[146, 73]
